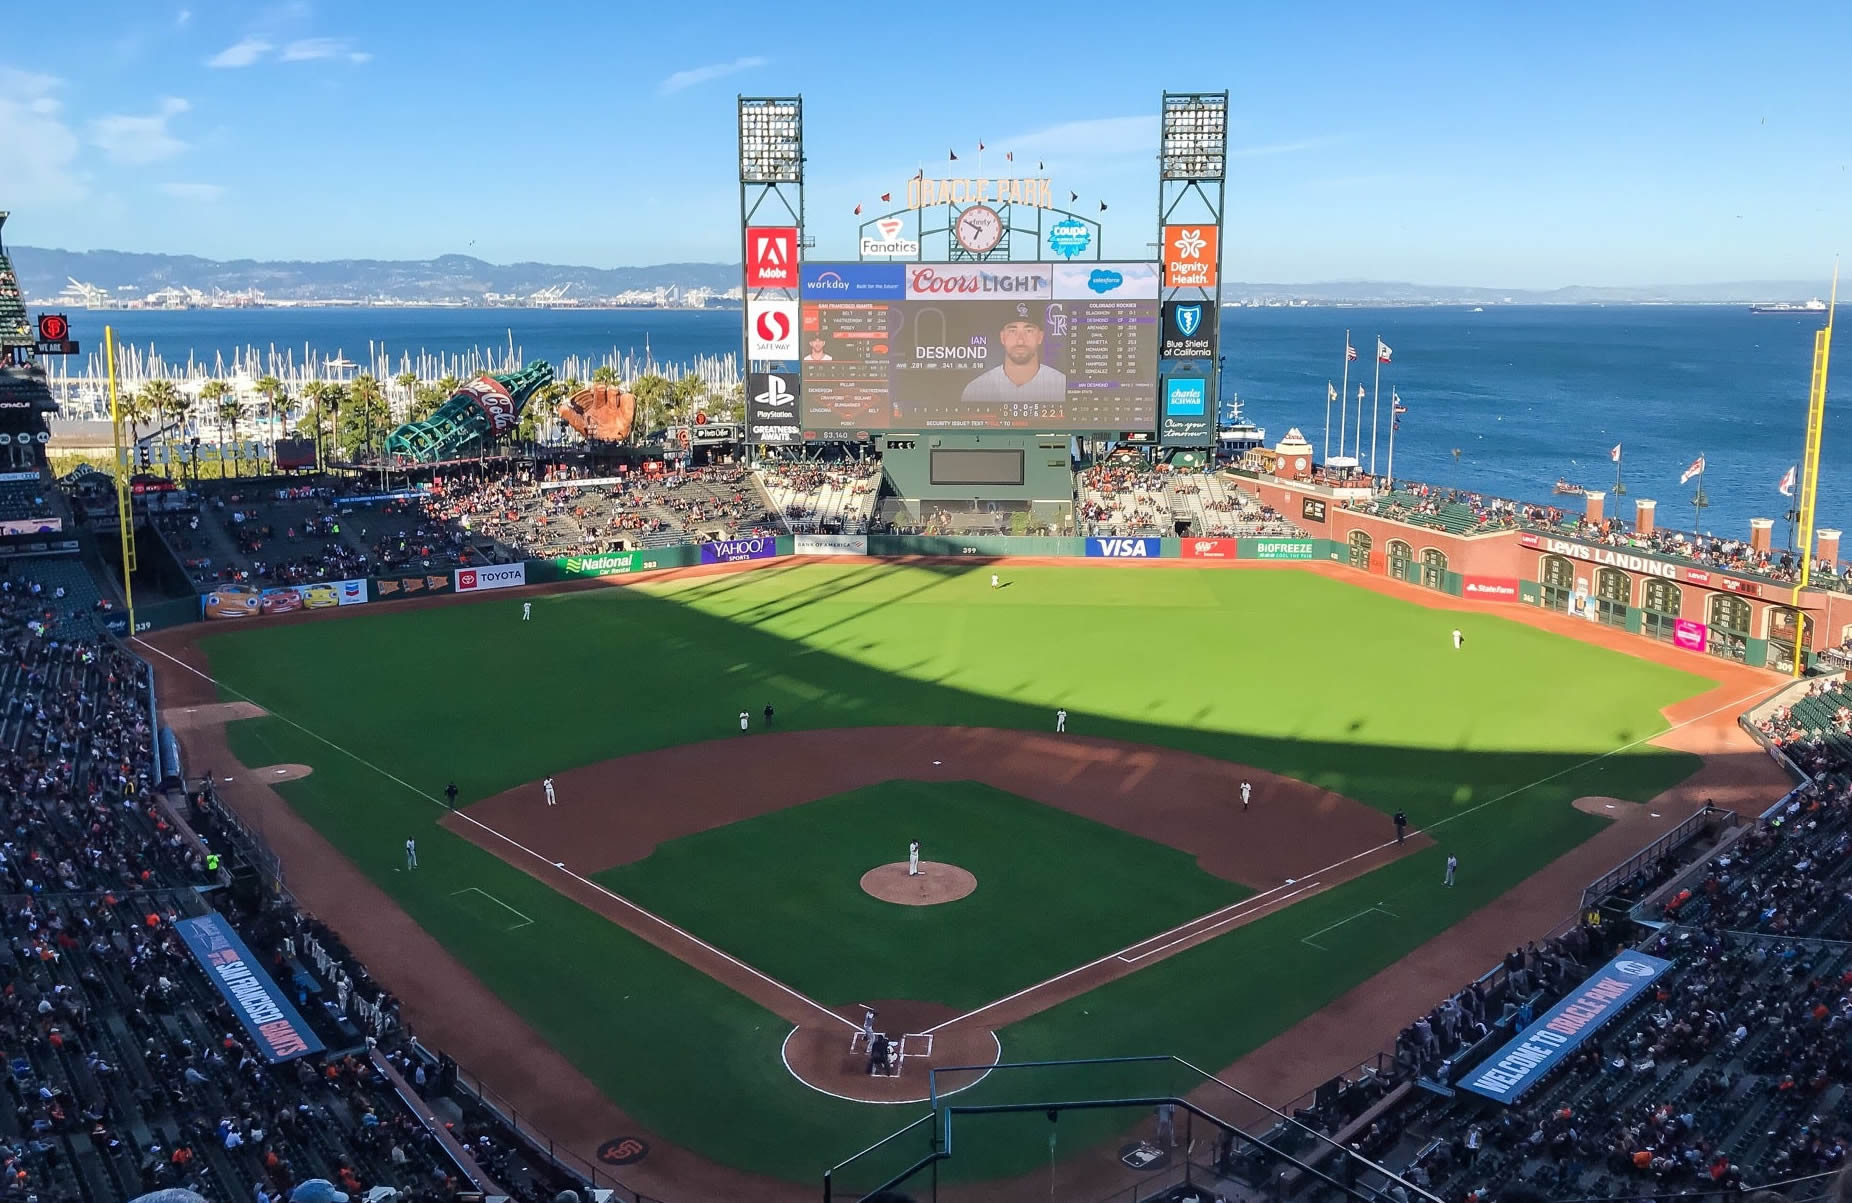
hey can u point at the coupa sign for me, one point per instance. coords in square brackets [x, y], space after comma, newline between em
[1124, 549]
[732, 551]
[499, 576]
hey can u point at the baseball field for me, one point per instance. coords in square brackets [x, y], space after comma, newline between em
[690, 925]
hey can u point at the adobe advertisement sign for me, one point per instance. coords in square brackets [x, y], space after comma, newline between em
[733, 551]
[1558, 1032]
[771, 407]
[1189, 330]
[1192, 255]
[1489, 588]
[771, 256]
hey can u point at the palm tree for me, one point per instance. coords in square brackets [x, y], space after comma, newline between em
[139, 410]
[408, 381]
[654, 394]
[604, 374]
[213, 396]
[270, 388]
[231, 412]
[367, 402]
[165, 405]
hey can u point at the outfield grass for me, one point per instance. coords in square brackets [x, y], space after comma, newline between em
[1376, 705]
[1055, 890]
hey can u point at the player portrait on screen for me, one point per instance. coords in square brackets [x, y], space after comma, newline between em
[1022, 376]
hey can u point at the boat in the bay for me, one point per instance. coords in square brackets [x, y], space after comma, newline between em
[1816, 305]
[1568, 488]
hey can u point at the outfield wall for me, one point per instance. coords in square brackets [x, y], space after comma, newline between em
[1702, 612]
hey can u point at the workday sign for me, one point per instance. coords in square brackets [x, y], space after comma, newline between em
[1124, 549]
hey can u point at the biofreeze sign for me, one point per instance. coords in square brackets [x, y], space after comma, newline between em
[1612, 558]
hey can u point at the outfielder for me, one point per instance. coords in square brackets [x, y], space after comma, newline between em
[551, 800]
[411, 854]
[993, 581]
[1458, 639]
[913, 859]
[527, 611]
[1061, 720]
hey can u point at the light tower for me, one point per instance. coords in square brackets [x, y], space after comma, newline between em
[1192, 185]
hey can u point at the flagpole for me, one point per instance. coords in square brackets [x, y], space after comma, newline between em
[1618, 491]
[1327, 454]
[1344, 394]
[1394, 421]
[1376, 391]
[1697, 510]
[1357, 438]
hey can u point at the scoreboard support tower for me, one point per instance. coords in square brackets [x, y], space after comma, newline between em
[771, 145]
[1192, 189]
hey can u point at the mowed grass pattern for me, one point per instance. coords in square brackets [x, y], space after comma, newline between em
[1054, 890]
[1348, 689]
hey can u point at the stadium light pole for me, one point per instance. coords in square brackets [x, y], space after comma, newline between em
[1192, 188]
[771, 162]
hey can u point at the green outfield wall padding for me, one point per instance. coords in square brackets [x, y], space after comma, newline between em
[975, 545]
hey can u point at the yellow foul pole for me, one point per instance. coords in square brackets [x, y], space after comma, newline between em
[1810, 471]
[125, 464]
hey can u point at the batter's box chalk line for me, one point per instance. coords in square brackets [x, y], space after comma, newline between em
[525, 921]
[1368, 910]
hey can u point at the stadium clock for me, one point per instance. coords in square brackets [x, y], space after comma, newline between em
[979, 229]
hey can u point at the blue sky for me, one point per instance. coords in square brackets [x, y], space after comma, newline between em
[1597, 143]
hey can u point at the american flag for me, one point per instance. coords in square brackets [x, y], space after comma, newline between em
[1350, 352]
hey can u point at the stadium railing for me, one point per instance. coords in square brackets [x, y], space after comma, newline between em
[1677, 837]
[1090, 1125]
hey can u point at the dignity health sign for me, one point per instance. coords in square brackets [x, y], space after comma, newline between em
[279, 1031]
[1543, 1045]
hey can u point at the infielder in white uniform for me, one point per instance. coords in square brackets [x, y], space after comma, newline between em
[1247, 791]
[551, 800]
[527, 611]
[411, 854]
[1061, 720]
[1453, 862]
[744, 720]
[913, 859]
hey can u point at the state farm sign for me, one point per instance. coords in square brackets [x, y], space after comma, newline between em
[1489, 588]
[1611, 558]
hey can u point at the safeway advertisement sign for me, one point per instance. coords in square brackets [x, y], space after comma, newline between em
[771, 256]
[1210, 549]
[771, 330]
[497, 576]
[1490, 588]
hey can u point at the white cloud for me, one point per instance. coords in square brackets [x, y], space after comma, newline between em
[307, 50]
[203, 193]
[183, 16]
[241, 54]
[711, 72]
[359, 56]
[140, 139]
[41, 150]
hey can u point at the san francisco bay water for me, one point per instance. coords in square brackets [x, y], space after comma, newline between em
[1527, 394]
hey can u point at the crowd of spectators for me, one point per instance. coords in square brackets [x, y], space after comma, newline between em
[1122, 497]
[125, 1069]
[832, 496]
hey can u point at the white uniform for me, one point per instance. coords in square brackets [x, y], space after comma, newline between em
[527, 611]
[743, 720]
[1060, 720]
[993, 580]
[868, 1029]
[1457, 639]
[411, 854]
[1247, 791]
[913, 859]
[551, 801]
[1453, 862]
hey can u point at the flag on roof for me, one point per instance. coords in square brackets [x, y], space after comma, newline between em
[1696, 469]
[1786, 487]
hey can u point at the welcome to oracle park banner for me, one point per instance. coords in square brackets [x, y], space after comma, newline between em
[1541, 1047]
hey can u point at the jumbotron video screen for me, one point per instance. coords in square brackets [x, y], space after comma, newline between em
[968, 346]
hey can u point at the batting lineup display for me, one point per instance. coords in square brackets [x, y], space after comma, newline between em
[1046, 346]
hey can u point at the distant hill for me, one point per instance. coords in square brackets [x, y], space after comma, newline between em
[43, 273]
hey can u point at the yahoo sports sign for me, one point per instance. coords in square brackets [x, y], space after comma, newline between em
[733, 551]
[1541, 1047]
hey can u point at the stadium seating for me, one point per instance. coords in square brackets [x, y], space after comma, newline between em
[837, 497]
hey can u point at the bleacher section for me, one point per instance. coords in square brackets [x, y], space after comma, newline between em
[833, 497]
[1213, 507]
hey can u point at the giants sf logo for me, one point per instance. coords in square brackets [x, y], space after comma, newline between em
[625, 1150]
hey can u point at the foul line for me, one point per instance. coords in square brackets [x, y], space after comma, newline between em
[619, 898]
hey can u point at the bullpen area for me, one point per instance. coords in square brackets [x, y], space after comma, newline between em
[698, 921]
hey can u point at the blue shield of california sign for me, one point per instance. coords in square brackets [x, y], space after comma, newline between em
[1188, 330]
[1189, 319]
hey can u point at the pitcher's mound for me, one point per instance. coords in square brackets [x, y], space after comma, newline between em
[935, 883]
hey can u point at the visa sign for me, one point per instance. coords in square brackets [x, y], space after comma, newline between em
[1124, 549]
